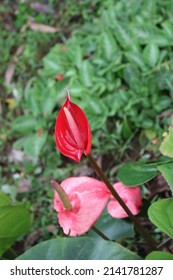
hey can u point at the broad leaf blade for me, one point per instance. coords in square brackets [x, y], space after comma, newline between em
[78, 248]
[133, 174]
[160, 213]
[14, 221]
[114, 229]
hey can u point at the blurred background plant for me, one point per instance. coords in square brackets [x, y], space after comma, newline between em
[116, 59]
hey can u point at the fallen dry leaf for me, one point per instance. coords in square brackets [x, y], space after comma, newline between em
[41, 27]
[11, 67]
[24, 186]
[9, 73]
[15, 156]
[42, 8]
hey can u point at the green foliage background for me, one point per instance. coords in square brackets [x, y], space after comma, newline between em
[116, 59]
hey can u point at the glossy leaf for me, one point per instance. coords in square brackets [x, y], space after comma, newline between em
[134, 173]
[160, 214]
[78, 248]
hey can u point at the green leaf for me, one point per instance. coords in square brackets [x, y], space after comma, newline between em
[24, 124]
[52, 61]
[122, 35]
[166, 147]
[14, 221]
[86, 73]
[4, 199]
[108, 45]
[151, 54]
[149, 7]
[136, 59]
[49, 98]
[74, 52]
[160, 213]
[78, 248]
[134, 173]
[161, 40]
[167, 171]
[34, 143]
[159, 255]
[114, 229]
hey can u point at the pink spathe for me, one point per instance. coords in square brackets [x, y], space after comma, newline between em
[130, 195]
[88, 198]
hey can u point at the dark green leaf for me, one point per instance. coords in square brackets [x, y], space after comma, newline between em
[133, 174]
[78, 248]
[114, 229]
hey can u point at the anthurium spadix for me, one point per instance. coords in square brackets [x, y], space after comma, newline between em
[87, 198]
[72, 131]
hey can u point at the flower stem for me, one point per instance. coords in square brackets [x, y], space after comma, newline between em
[101, 234]
[140, 229]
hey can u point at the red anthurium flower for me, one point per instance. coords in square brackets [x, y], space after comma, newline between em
[130, 195]
[87, 199]
[72, 131]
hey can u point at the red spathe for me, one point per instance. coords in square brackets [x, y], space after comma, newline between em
[72, 131]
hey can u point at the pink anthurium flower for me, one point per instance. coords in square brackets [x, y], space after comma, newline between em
[72, 131]
[87, 199]
[130, 195]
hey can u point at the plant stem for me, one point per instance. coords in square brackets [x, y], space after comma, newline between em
[146, 235]
[101, 234]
